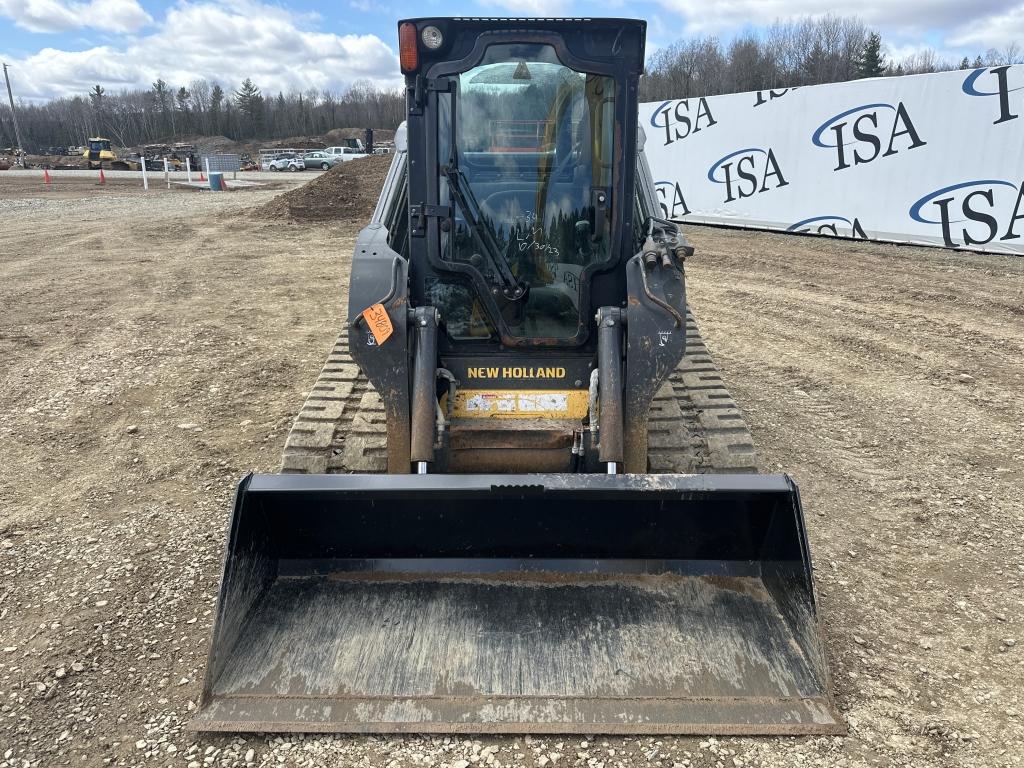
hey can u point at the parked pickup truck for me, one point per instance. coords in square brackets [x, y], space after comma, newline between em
[344, 154]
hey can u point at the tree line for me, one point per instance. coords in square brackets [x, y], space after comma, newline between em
[163, 112]
[806, 51]
[787, 53]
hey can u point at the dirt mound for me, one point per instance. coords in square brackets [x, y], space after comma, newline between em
[294, 142]
[211, 145]
[337, 135]
[347, 191]
[205, 145]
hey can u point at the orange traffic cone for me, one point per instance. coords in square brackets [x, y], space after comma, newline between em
[46, 176]
[103, 178]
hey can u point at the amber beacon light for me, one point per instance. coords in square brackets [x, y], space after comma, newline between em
[408, 53]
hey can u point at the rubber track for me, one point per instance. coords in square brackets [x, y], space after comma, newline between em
[695, 426]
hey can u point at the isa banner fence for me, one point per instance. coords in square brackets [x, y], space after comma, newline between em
[934, 159]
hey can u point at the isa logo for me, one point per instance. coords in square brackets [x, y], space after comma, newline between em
[763, 97]
[858, 135]
[747, 172]
[830, 225]
[999, 82]
[973, 212]
[679, 119]
[670, 198]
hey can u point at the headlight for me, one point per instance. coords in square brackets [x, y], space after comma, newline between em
[431, 37]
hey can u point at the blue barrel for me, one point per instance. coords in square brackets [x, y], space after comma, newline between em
[216, 181]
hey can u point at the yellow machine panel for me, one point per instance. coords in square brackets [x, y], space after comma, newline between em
[519, 404]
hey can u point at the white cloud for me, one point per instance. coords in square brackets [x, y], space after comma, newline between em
[118, 15]
[995, 31]
[222, 41]
[60, 16]
[905, 17]
[532, 7]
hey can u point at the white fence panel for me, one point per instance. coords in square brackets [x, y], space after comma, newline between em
[935, 159]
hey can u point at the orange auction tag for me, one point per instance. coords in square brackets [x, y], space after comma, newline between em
[380, 324]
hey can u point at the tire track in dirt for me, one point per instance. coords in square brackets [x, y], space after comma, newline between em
[844, 357]
[888, 381]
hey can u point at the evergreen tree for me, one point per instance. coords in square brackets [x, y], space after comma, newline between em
[182, 98]
[96, 97]
[872, 62]
[815, 66]
[161, 102]
[250, 103]
[965, 63]
[216, 100]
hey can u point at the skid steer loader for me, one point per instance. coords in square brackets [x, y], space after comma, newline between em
[518, 498]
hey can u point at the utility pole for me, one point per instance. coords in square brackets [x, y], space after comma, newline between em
[14, 117]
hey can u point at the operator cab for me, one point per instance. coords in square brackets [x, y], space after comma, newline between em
[529, 142]
[99, 149]
[521, 172]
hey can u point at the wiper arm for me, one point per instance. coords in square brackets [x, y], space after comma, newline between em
[460, 190]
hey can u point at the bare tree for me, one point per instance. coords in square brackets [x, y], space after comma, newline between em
[790, 53]
[200, 90]
[1011, 54]
[745, 70]
[920, 63]
[786, 54]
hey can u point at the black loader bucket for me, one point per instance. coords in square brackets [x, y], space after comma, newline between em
[517, 604]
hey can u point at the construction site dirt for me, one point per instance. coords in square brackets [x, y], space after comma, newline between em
[157, 347]
[23, 186]
[18, 186]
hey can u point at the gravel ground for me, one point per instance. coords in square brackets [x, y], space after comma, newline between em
[21, 191]
[157, 175]
[149, 366]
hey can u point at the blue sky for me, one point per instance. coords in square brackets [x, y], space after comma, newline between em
[62, 47]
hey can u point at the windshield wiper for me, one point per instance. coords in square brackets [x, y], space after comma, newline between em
[459, 188]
